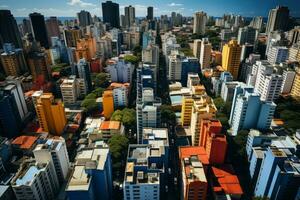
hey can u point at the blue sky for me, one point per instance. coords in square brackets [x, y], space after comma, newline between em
[69, 8]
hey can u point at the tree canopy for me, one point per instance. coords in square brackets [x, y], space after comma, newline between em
[126, 116]
[131, 59]
[101, 80]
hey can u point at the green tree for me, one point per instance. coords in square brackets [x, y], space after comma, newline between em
[126, 116]
[219, 103]
[98, 92]
[90, 105]
[117, 116]
[132, 59]
[168, 115]
[118, 145]
[91, 96]
[101, 80]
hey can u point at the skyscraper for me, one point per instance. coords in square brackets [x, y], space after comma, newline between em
[277, 19]
[200, 19]
[9, 32]
[84, 73]
[84, 18]
[231, 58]
[39, 29]
[151, 55]
[111, 13]
[205, 53]
[247, 35]
[52, 27]
[13, 109]
[13, 60]
[150, 13]
[129, 16]
[197, 48]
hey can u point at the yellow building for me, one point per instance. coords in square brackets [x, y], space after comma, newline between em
[10, 64]
[108, 103]
[231, 58]
[51, 114]
[296, 85]
[188, 102]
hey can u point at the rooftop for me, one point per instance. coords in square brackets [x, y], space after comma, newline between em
[25, 142]
[108, 125]
[187, 152]
[225, 181]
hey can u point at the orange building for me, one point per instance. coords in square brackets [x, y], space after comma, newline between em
[225, 183]
[108, 103]
[51, 114]
[86, 48]
[193, 162]
[208, 126]
[216, 147]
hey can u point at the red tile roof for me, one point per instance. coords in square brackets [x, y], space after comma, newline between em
[186, 152]
[227, 181]
[106, 125]
[25, 142]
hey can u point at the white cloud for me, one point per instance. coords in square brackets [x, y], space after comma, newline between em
[3, 6]
[175, 4]
[80, 3]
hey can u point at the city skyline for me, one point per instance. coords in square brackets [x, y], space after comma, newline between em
[69, 8]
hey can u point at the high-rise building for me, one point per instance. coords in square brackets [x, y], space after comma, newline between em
[93, 168]
[150, 13]
[39, 29]
[175, 67]
[129, 16]
[277, 19]
[231, 58]
[9, 32]
[151, 55]
[205, 54]
[203, 108]
[84, 18]
[86, 48]
[108, 103]
[84, 73]
[294, 35]
[35, 180]
[248, 111]
[120, 93]
[52, 28]
[193, 166]
[120, 71]
[38, 64]
[268, 84]
[296, 85]
[13, 60]
[148, 112]
[72, 88]
[277, 54]
[51, 114]
[71, 36]
[189, 65]
[272, 158]
[111, 13]
[13, 108]
[247, 35]
[54, 151]
[147, 179]
[257, 23]
[197, 48]
[288, 77]
[200, 19]
[26, 26]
